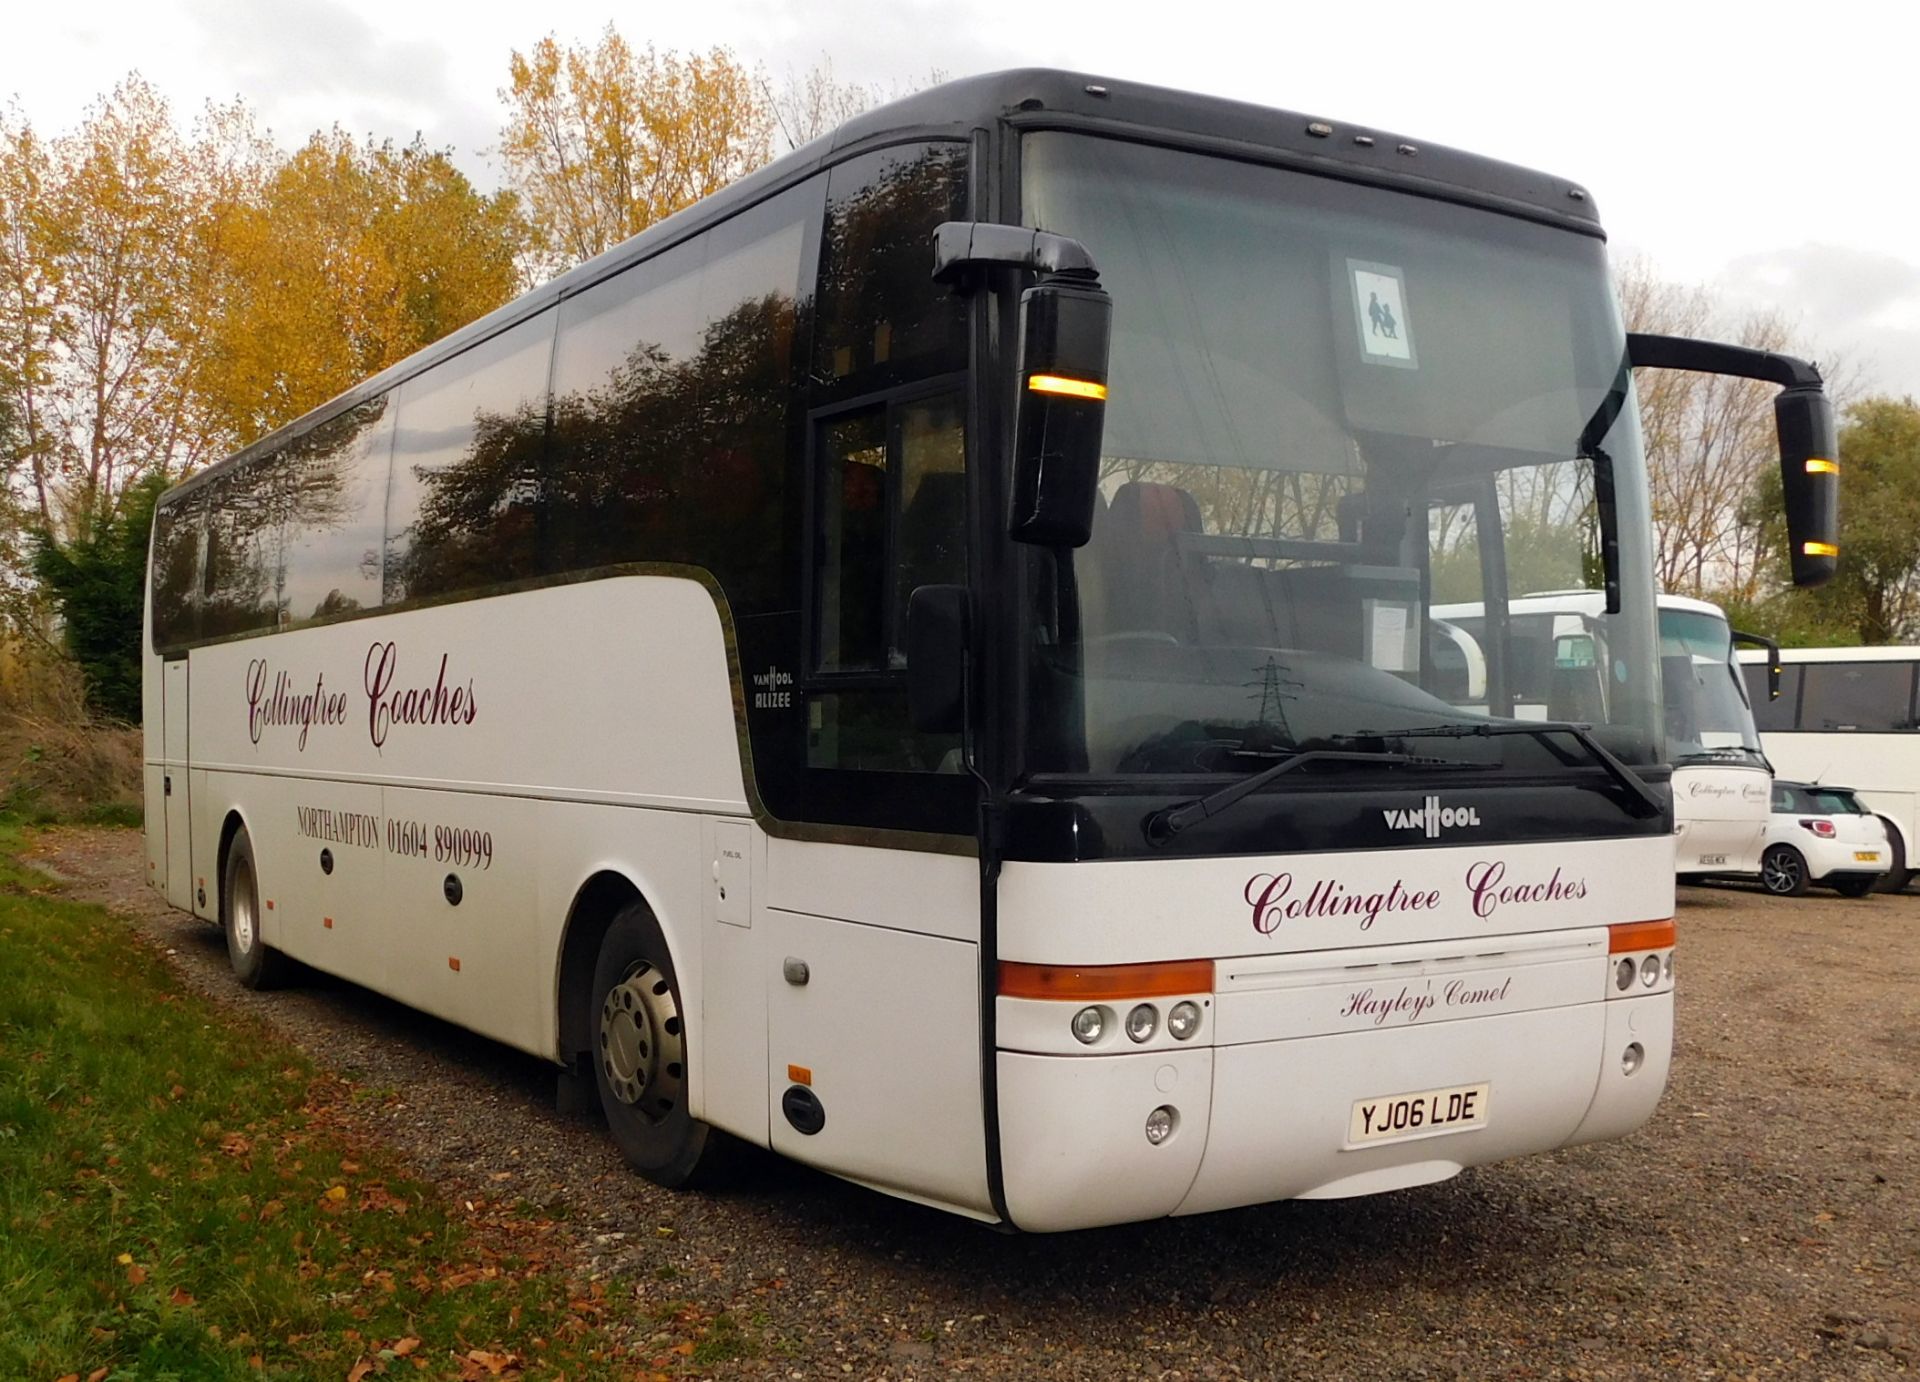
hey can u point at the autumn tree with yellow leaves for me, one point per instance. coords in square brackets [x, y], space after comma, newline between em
[349, 257]
[603, 141]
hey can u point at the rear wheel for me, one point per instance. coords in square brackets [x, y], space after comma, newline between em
[255, 963]
[1856, 884]
[1783, 871]
[640, 1054]
[1895, 879]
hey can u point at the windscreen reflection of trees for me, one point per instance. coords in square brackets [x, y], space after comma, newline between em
[665, 461]
[1549, 529]
[1237, 501]
[879, 308]
[315, 478]
[1548, 521]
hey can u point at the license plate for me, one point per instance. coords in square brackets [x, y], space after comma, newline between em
[1866, 856]
[1713, 858]
[1396, 1117]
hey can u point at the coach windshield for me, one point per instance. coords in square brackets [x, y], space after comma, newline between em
[1708, 719]
[1331, 408]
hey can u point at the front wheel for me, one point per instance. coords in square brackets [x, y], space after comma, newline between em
[256, 964]
[640, 1054]
[1856, 885]
[1783, 871]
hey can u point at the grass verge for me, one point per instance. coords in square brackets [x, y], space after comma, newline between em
[182, 1195]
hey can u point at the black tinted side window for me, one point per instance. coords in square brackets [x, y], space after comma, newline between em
[1863, 696]
[240, 569]
[336, 480]
[466, 502]
[176, 571]
[1771, 715]
[674, 383]
[882, 319]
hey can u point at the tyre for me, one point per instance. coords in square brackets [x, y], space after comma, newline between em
[1895, 879]
[1856, 885]
[1783, 871]
[640, 1054]
[255, 963]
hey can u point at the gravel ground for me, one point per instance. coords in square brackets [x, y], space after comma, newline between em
[1763, 1225]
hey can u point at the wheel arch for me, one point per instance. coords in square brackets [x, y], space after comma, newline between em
[230, 825]
[1897, 833]
[595, 904]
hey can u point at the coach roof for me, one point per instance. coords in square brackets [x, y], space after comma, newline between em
[1030, 98]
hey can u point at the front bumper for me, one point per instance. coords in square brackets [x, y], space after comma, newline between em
[1268, 1120]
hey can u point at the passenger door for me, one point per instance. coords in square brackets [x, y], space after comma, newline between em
[173, 782]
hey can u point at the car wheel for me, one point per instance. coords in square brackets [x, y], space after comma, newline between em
[1856, 885]
[256, 964]
[640, 1054]
[1895, 879]
[1783, 871]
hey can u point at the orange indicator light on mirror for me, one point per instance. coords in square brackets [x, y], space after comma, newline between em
[1818, 466]
[1069, 388]
[1814, 549]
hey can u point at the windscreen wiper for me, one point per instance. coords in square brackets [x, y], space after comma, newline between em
[1169, 821]
[1649, 803]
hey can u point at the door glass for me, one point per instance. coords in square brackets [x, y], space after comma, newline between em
[933, 506]
[891, 482]
[853, 535]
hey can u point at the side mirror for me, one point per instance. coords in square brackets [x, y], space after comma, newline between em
[1066, 323]
[937, 658]
[1772, 649]
[1809, 453]
[1065, 328]
[1810, 481]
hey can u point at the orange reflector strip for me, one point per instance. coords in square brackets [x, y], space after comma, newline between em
[799, 1074]
[1820, 549]
[453, 963]
[1639, 935]
[269, 904]
[1071, 388]
[1079, 982]
[327, 922]
[1817, 466]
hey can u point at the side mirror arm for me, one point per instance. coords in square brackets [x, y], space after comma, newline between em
[1772, 649]
[962, 249]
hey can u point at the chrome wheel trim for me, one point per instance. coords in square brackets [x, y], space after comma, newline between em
[240, 907]
[642, 1046]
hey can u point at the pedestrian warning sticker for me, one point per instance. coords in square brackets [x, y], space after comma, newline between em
[1380, 312]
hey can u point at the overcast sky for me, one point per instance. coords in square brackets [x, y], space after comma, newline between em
[1765, 149]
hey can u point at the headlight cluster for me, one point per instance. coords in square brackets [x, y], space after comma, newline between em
[1093, 1022]
[1644, 971]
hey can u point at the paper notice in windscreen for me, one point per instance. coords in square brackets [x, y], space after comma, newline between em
[1389, 630]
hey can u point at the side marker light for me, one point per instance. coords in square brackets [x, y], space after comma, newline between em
[1817, 466]
[1819, 549]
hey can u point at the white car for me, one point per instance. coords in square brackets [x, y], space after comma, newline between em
[1822, 835]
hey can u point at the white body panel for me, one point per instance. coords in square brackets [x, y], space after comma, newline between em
[1883, 770]
[1322, 965]
[1882, 766]
[1720, 815]
[545, 751]
[541, 751]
